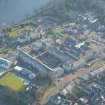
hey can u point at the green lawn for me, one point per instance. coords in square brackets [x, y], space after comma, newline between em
[12, 81]
[16, 31]
[6, 49]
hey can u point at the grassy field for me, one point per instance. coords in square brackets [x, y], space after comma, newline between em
[12, 81]
[16, 31]
[56, 32]
[6, 49]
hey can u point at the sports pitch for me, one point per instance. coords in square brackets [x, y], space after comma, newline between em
[12, 82]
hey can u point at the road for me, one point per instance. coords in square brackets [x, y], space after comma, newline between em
[65, 80]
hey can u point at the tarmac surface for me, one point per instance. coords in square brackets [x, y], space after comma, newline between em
[62, 82]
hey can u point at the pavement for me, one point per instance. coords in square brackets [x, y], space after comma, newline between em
[53, 90]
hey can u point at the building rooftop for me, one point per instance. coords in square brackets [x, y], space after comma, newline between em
[4, 65]
[42, 56]
[50, 60]
[24, 73]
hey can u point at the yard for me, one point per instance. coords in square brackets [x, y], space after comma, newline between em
[12, 81]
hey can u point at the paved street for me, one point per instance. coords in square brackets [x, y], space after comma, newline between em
[65, 80]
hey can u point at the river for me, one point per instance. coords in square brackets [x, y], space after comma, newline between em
[13, 11]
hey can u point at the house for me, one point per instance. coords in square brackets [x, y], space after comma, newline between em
[78, 46]
[68, 89]
[24, 37]
[68, 66]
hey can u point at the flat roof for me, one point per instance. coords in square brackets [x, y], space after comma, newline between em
[4, 60]
[45, 58]
[50, 60]
[24, 73]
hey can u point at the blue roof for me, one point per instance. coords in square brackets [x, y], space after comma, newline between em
[4, 63]
[70, 42]
[24, 73]
[1, 69]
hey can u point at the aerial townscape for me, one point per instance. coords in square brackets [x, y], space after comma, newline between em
[55, 56]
